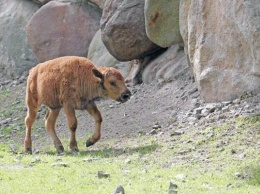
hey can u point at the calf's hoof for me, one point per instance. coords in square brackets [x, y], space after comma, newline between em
[28, 150]
[60, 150]
[89, 143]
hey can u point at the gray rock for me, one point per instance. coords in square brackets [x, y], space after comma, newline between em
[123, 30]
[157, 126]
[173, 185]
[6, 121]
[195, 102]
[242, 155]
[181, 177]
[225, 109]
[100, 3]
[229, 186]
[141, 133]
[205, 41]
[127, 161]
[205, 112]
[162, 66]
[192, 119]
[211, 107]
[207, 186]
[172, 191]
[227, 103]
[238, 174]
[237, 101]
[16, 55]
[144, 171]
[72, 32]
[177, 132]
[100, 56]
[61, 164]
[153, 132]
[90, 159]
[126, 171]
[42, 2]
[102, 174]
[119, 189]
[198, 110]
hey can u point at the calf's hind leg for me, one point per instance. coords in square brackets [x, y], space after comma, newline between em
[50, 120]
[94, 112]
[32, 110]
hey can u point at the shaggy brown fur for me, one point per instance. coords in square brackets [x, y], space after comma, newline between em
[72, 83]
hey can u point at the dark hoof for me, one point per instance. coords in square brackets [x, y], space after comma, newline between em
[60, 150]
[28, 150]
[89, 143]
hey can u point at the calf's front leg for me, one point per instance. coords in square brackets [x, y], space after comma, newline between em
[72, 123]
[94, 112]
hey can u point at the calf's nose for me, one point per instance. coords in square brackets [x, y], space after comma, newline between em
[125, 95]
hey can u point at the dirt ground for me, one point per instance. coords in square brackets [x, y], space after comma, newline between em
[158, 108]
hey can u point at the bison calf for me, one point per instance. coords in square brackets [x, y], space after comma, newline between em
[72, 83]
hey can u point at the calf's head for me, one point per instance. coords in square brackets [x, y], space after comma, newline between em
[113, 84]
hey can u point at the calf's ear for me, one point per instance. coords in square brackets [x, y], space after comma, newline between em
[97, 73]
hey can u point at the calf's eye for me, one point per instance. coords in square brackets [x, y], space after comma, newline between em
[112, 83]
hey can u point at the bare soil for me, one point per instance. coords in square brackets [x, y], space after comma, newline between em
[163, 109]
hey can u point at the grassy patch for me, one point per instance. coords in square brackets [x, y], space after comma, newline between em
[6, 130]
[4, 93]
[217, 159]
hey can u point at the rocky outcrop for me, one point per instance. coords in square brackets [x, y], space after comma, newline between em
[60, 29]
[162, 22]
[99, 3]
[41, 2]
[123, 29]
[169, 65]
[222, 41]
[100, 56]
[15, 53]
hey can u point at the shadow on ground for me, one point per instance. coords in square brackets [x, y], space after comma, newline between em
[112, 152]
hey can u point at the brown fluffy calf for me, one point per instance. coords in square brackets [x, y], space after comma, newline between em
[72, 83]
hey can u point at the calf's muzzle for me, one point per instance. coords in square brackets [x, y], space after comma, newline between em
[124, 96]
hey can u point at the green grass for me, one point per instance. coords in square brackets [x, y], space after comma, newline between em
[4, 93]
[211, 164]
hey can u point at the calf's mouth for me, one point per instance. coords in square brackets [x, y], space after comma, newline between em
[124, 96]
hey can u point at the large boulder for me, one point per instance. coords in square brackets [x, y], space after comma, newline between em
[123, 29]
[41, 2]
[162, 22]
[60, 29]
[167, 66]
[222, 41]
[99, 3]
[16, 55]
[100, 56]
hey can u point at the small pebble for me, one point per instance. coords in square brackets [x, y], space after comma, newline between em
[173, 185]
[127, 161]
[62, 164]
[90, 159]
[238, 174]
[102, 174]
[119, 189]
